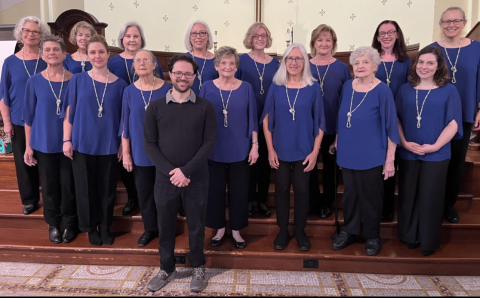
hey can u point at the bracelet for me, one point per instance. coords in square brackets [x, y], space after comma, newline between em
[255, 143]
[67, 141]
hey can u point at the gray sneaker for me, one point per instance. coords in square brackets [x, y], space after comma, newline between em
[198, 282]
[160, 280]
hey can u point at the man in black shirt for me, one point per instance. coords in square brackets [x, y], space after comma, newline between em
[179, 135]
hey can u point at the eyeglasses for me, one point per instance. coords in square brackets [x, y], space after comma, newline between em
[389, 33]
[144, 60]
[82, 35]
[33, 32]
[456, 22]
[201, 33]
[296, 59]
[179, 74]
[262, 36]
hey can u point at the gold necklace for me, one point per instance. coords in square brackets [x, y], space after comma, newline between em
[453, 67]
[349, 114]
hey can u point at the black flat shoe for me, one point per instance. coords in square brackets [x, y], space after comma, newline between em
[240, 245]
[281, 241]
[303, 243]
[372, 246]
[30, 208]
[94, 238]
[130, 206]
[343, 240]
[451, 215]
[265, 212]
[216, 242]
[427, 252]
[106, 236]
[325, 212]
[146, 238]
[250, 210]
[55, 234]
[69, 235]
[412, 245]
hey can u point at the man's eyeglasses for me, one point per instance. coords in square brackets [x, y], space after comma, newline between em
[33, 32]
[201, 34]
[389, 33]
[179, 74]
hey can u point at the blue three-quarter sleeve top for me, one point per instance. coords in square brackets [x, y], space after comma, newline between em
[133, 112]
[399, 76]
[209, 72]
[364, 145]
[467, 76]
[233, 142]
[249, 73]
[74, 66]
[338, 73]
[116, 65]
[40, 112]
[91, 134]
[441, 107]
[13, 84]
[293, 139]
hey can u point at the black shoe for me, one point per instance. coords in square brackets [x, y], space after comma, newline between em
[343, 240]
[146, 238]
[451, 215]
[240, 245]
[130, 206]
[250, 210]
[55, 234]
[427, 252]
[302, 241]
[372, 246]
[325, 212]
[412, 245]
[181, 211]
[281, 241]
[30, 208]
[69, 235]
[94, 238]
[106, 235]
[264, 211]
[216, 242]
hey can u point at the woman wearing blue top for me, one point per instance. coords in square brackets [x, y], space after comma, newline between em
[463, 63]
[136, 99]
[130, 39]
[198, 41]
[429, 115]
[367, 134]
[236, 146]
[393, 70]
[331, 74]
[294, 124]
[44, 95]
[90, 138]
[79, 36]
[258, 69]
[15, 72]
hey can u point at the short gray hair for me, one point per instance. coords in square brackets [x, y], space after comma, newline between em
[152, 57]
[226, 51]
[123, 31]
[53, 38]
[452, 9]
[188, 45]
[368, 52]
[281, 76]
[17, 32]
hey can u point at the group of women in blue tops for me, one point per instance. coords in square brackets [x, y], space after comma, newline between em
[79, 118]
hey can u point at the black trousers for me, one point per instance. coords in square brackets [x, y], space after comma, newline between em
[167, 200]
[145, 182]
[58, 189]
[287, 173]
[128, 179]
[389, 191]
[96, 179]
[363, 197]
[421, 201]
[328, 175]
[459, 150]
[236, 175]
[260, 173]
[27, 177]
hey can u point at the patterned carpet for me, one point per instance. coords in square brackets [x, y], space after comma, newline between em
[22, 279]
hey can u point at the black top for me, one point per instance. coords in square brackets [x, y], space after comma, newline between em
[180, 135]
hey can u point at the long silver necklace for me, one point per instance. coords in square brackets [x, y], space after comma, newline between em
[225, 106]
[292, 107]
[349, 114]
[419, 114]
[320, 79]
[24, 65]
[82, 63]
[389, 75]
[58, 101]
[262, 91]
[100, 104]
[151, 92]
[453, 66]
[199, 76]
[130, 79]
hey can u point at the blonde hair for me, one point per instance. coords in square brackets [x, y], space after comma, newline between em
[316, 33]
[453, 8]
[80, 25]
[247, 41]
[281, 76]
[226, 51]
[188, 45]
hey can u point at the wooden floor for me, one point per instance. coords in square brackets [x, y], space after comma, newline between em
[25, 239]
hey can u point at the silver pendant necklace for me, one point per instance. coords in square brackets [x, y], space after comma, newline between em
[453, 66]
[225, 106]
[419, 114]
[350, 113]
[100, 104]
[262, 91]
[151, 92]
[58, 101]
[320, 79]
[130, 79]
[82, 63]
[292, 107]
[24, 65]
[389, 75]
[199, 76]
